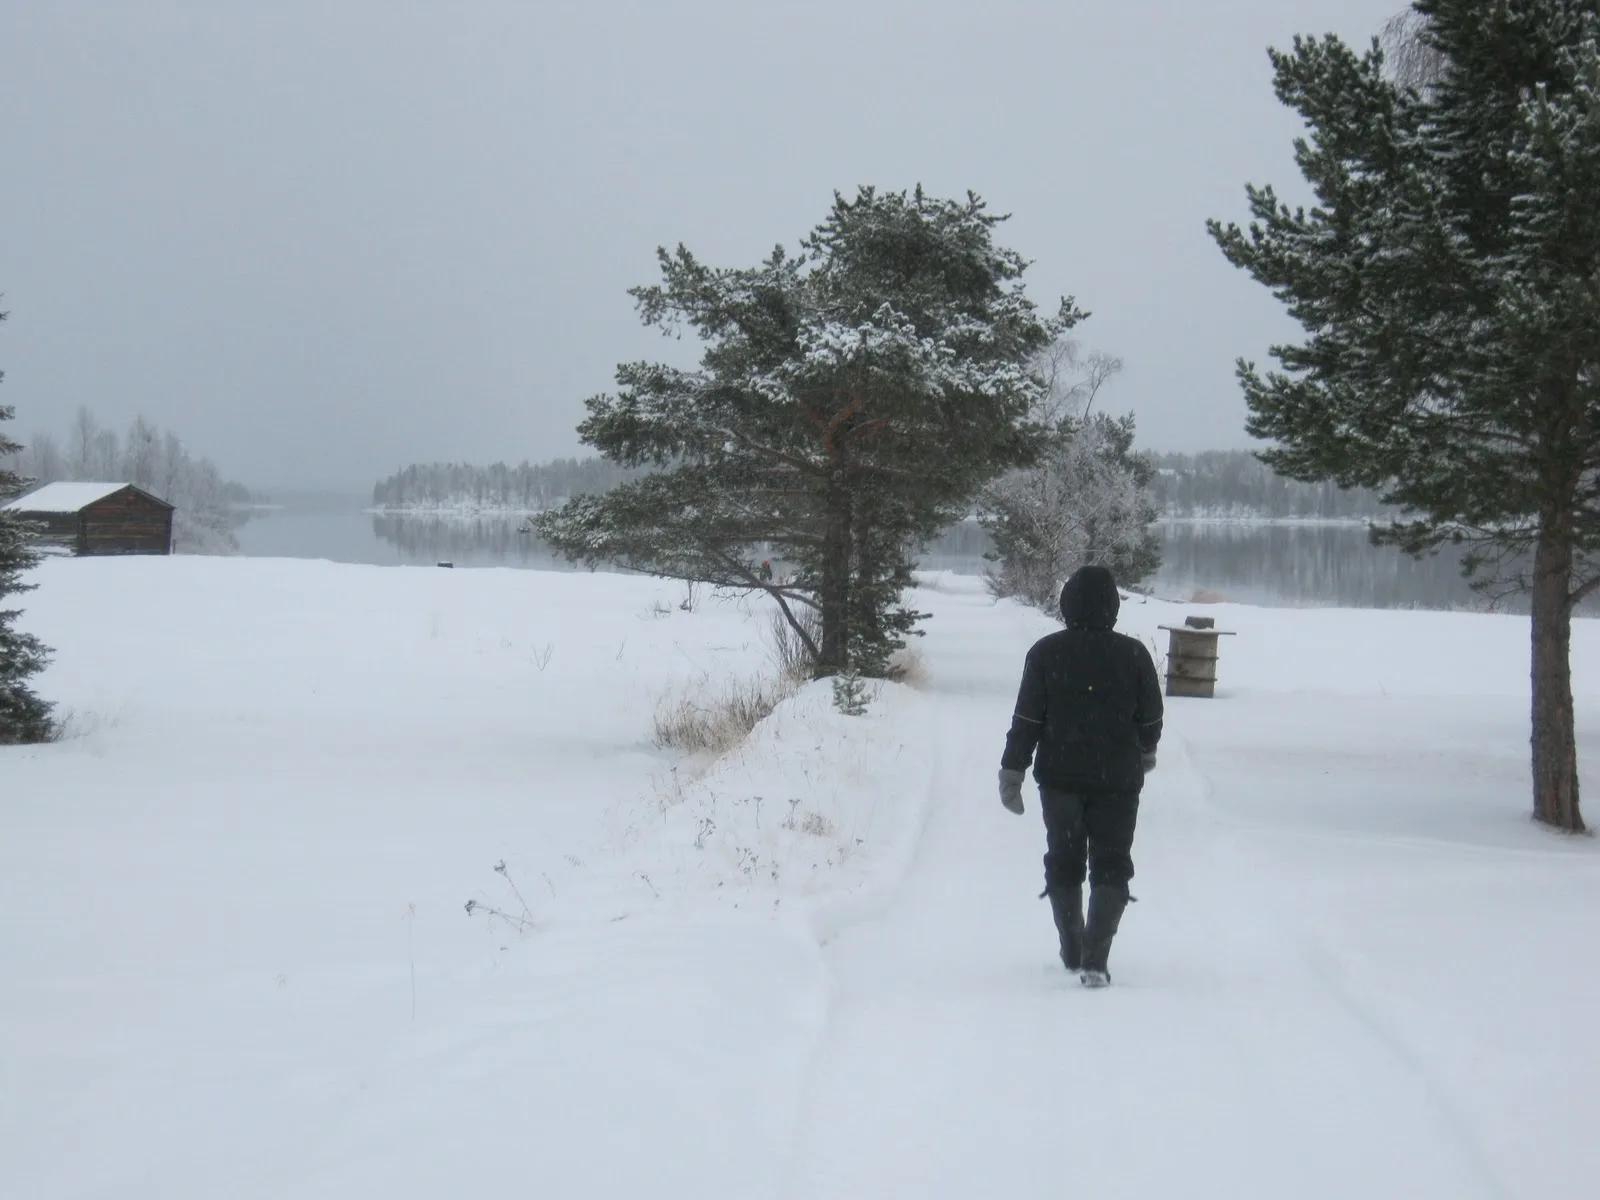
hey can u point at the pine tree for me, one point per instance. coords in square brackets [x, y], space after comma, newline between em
[851, 401]
[1446, 281]
[850, 694]
[23, 716]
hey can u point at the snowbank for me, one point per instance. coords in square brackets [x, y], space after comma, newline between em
[282, 782]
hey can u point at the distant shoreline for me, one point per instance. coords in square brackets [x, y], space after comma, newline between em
[470, 511]
[1325, 522]
[449, 510]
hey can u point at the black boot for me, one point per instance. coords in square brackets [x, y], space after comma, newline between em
[1066, 904]
[1106, 902]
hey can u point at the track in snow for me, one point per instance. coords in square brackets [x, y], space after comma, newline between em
[962, 1061]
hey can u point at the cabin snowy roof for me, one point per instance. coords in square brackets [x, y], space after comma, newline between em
[64, 497]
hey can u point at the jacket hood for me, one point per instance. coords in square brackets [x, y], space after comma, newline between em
[1090, 599]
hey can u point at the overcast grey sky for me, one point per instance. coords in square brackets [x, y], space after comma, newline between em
[323, 239]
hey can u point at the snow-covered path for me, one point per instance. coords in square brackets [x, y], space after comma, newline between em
[961, 1060]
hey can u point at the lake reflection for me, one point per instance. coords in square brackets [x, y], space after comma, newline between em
[480, 541]
[1277, 565]
[1305, 565]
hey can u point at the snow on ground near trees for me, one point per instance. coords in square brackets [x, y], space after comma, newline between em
[814, 968]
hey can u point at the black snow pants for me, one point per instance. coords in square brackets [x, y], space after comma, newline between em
[1088, 833]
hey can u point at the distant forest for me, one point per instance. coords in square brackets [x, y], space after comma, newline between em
[1234, 484]
[526, 487]
[1218, 484]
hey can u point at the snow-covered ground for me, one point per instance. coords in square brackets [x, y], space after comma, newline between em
[236, 959]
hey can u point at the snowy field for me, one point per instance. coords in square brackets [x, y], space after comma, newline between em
[236, 959]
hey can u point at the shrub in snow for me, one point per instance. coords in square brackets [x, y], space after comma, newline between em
[794, 639]
[714, 717]
[909, 667]
[519, 919]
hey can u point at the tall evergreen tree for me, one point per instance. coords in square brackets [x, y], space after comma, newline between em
[851, 401]
[1448, 281]
[23, 716]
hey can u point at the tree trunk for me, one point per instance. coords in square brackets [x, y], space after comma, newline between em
[834, 594]
[1555, 748]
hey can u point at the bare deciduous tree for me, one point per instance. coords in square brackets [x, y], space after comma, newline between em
[105, 456]
[84, 436]
[1075, 378]
[1087, 501]
[142, 453]
[42, 461]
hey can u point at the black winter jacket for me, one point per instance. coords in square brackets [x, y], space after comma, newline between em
[1090, 701]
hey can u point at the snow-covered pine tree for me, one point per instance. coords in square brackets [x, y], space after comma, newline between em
[1446, 283]
[24, 717]
[851, 401]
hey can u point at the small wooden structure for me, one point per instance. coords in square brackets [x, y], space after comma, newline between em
[1192, 657]
[98, 518]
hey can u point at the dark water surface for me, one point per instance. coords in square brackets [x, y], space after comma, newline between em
[1298, 565]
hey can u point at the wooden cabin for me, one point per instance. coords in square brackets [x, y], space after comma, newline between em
[98, 518]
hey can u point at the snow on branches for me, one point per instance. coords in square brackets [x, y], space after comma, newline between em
[1086, 502]
[851, 401]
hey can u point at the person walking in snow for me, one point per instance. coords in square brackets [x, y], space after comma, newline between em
[1090, 705]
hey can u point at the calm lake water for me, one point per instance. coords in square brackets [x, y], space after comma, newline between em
[1280, 565]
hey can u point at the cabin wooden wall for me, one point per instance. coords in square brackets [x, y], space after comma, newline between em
[125, 523]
